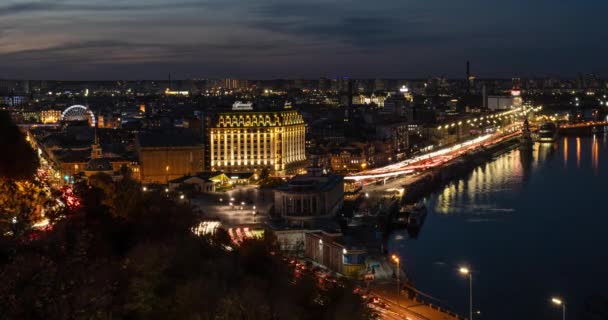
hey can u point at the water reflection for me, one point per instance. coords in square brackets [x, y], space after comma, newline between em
[595, 150]
[565, 151]
[511, 169]
[578, 152]
[528, 219]
[526, 159]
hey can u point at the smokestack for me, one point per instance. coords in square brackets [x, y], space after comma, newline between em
[350, 93]
[468, 77]
[484, 96]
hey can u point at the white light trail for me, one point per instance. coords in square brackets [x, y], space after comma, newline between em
[401, 168]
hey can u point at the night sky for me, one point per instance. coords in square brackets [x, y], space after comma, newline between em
[146, 39]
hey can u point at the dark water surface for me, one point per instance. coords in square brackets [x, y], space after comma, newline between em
[531, 225]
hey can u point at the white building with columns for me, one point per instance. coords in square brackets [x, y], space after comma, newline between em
[311, 196]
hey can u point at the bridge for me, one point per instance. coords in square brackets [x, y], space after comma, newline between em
[587, 124]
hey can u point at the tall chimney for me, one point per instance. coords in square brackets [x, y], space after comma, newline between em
[468, 77]
[484, 96]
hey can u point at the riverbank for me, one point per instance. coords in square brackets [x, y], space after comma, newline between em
[527, 224]
[432, 180]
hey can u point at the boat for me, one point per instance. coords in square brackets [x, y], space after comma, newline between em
[411, 217]
[547, 132]
[416, 215]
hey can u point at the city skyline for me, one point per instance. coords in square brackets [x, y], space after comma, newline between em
[134, 39]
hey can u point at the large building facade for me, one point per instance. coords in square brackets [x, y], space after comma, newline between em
[164, 157]
[245, 140]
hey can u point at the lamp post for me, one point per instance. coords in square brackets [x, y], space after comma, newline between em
[465, 271]
[560, 302]
[398, 262]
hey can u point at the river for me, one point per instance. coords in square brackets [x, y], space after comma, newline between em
[531, 225]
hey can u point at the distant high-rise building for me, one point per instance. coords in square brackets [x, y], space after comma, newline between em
[234, 84]
[379, 85]
[324, 84]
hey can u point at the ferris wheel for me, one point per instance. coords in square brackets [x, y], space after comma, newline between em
[78, 113]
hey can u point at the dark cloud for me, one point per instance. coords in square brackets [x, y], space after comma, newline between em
[265, 38]
[65, 6]
[121, 52]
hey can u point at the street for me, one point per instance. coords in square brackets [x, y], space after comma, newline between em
[242, 205]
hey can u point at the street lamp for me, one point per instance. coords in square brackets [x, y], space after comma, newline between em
[398, 262]
[253, 216]
[466, 272]
[560, 302]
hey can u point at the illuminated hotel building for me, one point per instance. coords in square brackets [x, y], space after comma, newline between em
[50, 116]
[245, 140]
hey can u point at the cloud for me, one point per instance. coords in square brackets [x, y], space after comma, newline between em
[351, 23]
[293, 37]
[22, 8]
[120, 52]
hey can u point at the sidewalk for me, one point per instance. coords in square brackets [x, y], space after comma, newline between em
[411, 306]
[406, 302]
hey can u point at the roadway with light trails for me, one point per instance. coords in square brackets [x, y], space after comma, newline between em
[435, 158]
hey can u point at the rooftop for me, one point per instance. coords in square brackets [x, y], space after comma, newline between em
[314, 181]
[168, 139]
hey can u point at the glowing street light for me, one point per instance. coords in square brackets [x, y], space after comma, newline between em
[395, 259]
[467, 272]
[559, 302]
[144, 189]
[181, 197]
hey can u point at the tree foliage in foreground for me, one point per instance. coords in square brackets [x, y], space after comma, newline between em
[144, 263]
[18, 160]
[22, 197]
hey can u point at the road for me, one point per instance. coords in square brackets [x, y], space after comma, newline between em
[433, 159]
[402, 307]
[236, 207]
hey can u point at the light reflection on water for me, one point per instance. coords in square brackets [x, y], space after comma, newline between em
[528, 221]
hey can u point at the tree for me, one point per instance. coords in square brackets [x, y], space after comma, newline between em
[265, 173]
[148, 264]
[21, 204]
[18, 161]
